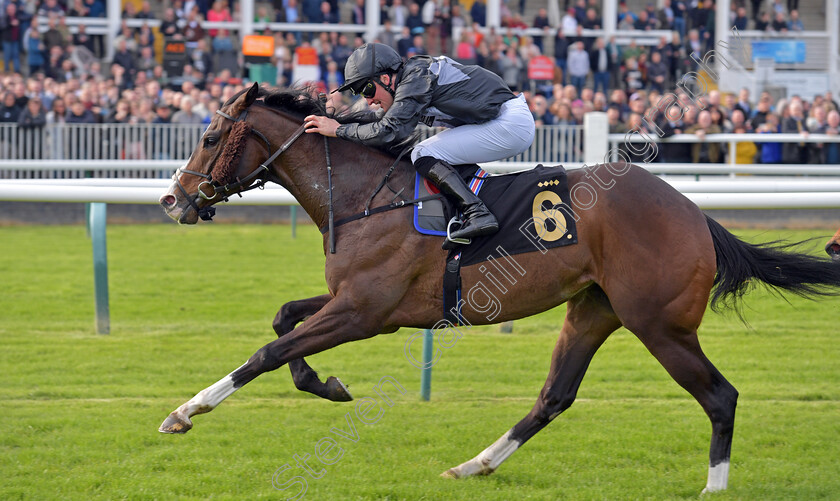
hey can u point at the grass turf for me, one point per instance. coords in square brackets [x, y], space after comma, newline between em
[80, 411]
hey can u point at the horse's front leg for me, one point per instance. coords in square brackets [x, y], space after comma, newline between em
[305, 378]
[347, 317]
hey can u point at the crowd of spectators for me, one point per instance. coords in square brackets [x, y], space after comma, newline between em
[36, 37]
[644, 113]
[65, 78]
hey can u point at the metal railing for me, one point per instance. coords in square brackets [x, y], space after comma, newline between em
[129, 142]
[708, 194]
[96, 142]
[553, 144]
[616, 141]
[69, 151]
[817, 48]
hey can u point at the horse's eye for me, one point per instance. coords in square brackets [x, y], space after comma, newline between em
[210, 141]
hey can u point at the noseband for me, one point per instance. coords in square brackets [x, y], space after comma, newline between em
[260, 174]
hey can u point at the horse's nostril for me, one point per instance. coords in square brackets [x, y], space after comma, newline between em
[833, 249]
[167, 201]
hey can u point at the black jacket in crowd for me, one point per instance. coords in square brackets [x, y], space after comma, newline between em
[593, 60]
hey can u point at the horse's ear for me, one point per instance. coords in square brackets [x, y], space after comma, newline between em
[252, 94]
[245, 100]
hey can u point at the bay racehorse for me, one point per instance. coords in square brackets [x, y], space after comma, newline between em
[647, 259]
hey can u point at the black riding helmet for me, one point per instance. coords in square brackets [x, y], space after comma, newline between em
[369, 61]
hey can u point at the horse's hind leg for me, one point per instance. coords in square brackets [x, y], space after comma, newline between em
[679, 351]
[589, 321]
[305, 378]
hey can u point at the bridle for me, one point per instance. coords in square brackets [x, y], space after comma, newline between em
[260, 174]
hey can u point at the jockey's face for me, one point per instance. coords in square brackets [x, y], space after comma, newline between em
[382, 98]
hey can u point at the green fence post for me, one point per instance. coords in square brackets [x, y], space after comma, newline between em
[87, 219]
[100, 266]
[426, 371]
[88, 174]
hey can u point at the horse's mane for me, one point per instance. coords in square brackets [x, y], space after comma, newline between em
[302, 101]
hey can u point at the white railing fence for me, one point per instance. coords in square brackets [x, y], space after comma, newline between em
[553, 144]
[117, 143]
[62, 141]
[36, 153]
[631, 144]
[741, 193]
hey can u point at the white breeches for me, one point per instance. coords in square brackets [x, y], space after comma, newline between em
[509, 134]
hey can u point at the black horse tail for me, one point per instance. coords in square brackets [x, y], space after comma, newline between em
[740, 265]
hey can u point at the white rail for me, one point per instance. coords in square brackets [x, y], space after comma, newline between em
[634, 137]
[119, 150]
[756, 186]
[714, 195]
[169, 166]
[47, 192]
[693, 169]
[820, 200]
[682, 184]
[90, 165]
[121, 147]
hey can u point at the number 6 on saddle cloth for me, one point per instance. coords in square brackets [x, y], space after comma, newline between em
[533, 208]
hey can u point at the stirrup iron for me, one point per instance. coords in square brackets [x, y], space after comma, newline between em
[460, 241]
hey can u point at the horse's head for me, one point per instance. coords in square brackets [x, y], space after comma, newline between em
[833, 246]
[220, 165]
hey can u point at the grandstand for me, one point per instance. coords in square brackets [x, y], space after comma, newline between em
[126, 112]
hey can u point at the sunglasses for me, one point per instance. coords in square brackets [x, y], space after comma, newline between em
[366, 88]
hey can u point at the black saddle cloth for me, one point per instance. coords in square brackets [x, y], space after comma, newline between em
[533, 208]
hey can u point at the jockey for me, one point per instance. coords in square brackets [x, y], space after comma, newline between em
[485, 120]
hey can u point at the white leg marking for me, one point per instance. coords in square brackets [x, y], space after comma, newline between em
[207, 399]
[489, 459]
[718, 477]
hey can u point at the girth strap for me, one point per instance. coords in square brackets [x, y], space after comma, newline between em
[377, 210]
[452, 289]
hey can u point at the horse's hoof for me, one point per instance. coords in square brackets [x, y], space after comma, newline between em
[175, 424]
[450, 473]
[336, 391]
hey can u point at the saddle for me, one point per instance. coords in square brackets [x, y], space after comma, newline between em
[432, 217]
[533, 208]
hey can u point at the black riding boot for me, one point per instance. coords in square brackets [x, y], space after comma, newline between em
[478, 220]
